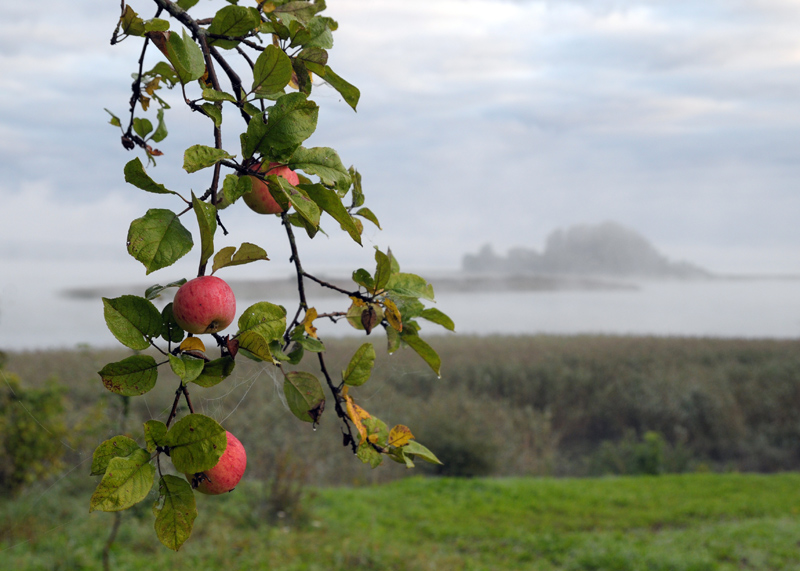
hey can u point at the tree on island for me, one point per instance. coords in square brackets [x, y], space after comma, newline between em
[607, 249]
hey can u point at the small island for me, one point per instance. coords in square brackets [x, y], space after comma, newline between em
[606, 250]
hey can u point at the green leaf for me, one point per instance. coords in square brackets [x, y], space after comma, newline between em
[186, 4]
[367, 213]
[117, 447]
[196, 443]
[246, 254]
[292, 120]
[161, 131]
[304, 395]
[207, 222]
[435, 316]
[363, 278]
[170, 330]
[133, 320]
[114, 119]
[214, 95]
[132, 24]
[423, 350]
[187, 368]
[315, 34]
[272, 71]
[377, 431]
[158, 239]
[256, 346]
[233, 21]
[186, 57]
[142, 127]
[383, 271]
[360, 367]
[215, 372]
[327, 199]
[349, 92]
[311, 344]
[155, 432]
[233, 188]
[175, 511]
[299, 11]
[155, 291]
[392, 340]
[136, 175]
[313, 55]
[130, 377]
[156, 25]
[323, 162]
[358, 193]
[301, 76]
[198, 157]
[414, 448]
[214, 111]
[297, 197]
[410, 285]
[368, 455]
[267, 319]
[127, 482]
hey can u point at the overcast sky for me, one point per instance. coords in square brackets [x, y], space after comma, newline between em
[479, 122]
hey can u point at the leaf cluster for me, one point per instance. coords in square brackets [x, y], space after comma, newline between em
[284, 44]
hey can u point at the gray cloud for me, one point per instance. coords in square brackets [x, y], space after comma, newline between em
[479, 122]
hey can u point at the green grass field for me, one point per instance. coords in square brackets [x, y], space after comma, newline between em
[517, 410]
[675, 522]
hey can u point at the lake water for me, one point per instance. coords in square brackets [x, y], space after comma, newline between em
[34, 314]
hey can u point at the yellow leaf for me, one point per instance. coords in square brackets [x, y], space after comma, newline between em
[266, 7]
[356, 414]
[151, 86]
[192, 344]
[400, 435]
[392, 315]
[358, 302]
[308, 322]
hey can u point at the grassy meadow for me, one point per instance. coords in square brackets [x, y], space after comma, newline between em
[580, 452]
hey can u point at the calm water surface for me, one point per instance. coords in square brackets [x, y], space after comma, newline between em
[34, 314]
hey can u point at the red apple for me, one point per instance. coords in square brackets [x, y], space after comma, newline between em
[204, 305]
[226, 474]
[260, 199]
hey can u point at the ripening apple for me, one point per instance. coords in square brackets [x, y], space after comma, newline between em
[259, 199]
[226, 474]
[204, 305]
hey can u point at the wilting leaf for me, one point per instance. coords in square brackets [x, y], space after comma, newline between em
[154, 433]
[130, 377]
[303, 395]
[196, 443]
[400, 435]
[126, 482]
[175, 511]
[117, 447]
[198, 157]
